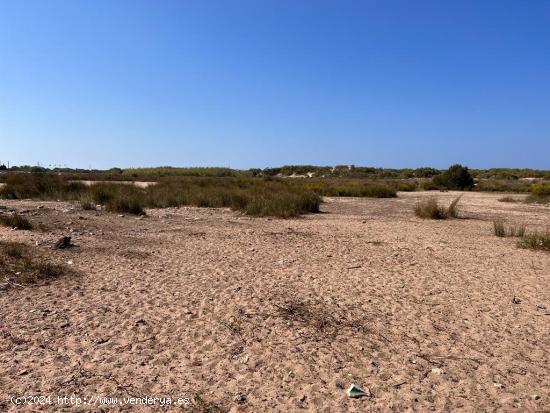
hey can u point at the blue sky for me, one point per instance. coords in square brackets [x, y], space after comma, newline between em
[264, 83]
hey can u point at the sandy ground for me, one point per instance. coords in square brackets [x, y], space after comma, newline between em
[256, 315]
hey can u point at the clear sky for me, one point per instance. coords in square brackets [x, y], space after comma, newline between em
[394, 83]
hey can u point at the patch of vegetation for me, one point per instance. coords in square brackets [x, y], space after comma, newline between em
[42, 186]
[540, 193]
[500, 229]
[430, 209]
[536, 241]
[345, 187]
[456, 177]
[318, 319]
[172, 171]
[541, 189]
[21, 267]
[509, 199]
[15, 221]
[202, 405]
[87, 205]
[502, 185]
[338, 171]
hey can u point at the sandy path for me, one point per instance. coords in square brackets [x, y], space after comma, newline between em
[188, 301]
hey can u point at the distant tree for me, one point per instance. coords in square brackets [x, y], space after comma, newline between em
[456, 177]
[3, 167]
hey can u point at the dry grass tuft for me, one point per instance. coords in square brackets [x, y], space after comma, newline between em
[430, 209]
[201, 405]
[320, 320]
[87, 205]
[20, 266]
[500, 229]
[536, 241]
[509, 199]
[15, 221]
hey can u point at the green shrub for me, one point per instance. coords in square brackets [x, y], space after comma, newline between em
[456, 177]
[541, 189]
[540, 193]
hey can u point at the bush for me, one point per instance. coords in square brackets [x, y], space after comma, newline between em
[456, 177]
[541, 189]
[540, 193]
[431, 209]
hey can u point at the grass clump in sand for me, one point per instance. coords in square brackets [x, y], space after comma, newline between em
[318, 319]
[533, 241]
[509, 199]
[20, 266]
[15, 221]
[536, 241]
[500, 229]
[430, 209]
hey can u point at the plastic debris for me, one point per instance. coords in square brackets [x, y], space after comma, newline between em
[356, 392]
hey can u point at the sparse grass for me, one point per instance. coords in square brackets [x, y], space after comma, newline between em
[15, 221]
[500, 229]
[201, 405]
[313, 316]
[252, 196]
[536, 241]
[41, 186]
[430, 209]
[537, 199]
[319, 319]
[14, 249]
[130, 205]
[452, 210]
[350, 187]
[502, 185]
[509, 199]
[20, 266]
[87, 205]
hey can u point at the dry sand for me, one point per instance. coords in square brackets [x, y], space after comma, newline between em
[190, 301]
